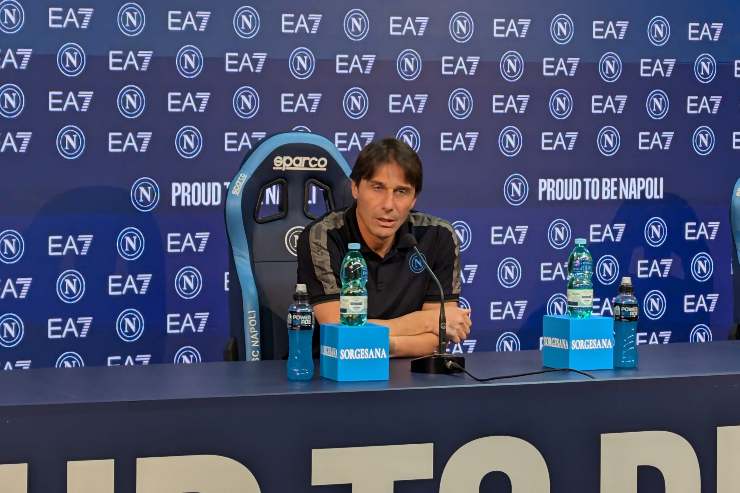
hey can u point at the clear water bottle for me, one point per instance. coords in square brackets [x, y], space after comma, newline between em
[580, 286]
[300, 336]
[625, 326]
[353, 295]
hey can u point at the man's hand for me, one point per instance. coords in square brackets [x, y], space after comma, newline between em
[458, 320]
[458, 323]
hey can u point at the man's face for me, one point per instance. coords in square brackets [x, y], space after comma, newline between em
[383, 202]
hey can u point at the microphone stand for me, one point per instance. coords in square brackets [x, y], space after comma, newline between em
[440, 361]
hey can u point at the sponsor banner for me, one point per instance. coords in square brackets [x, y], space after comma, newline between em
[534, 128]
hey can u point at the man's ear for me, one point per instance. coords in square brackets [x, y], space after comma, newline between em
[355, 190]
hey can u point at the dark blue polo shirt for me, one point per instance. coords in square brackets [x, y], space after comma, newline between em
[397, 283]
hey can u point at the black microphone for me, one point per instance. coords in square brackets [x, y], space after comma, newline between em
[440, 361]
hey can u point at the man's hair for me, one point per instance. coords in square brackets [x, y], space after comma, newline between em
[381, 152]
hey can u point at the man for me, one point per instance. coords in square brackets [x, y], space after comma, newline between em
[386, 181]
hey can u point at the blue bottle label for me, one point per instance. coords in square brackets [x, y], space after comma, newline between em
[300, 321]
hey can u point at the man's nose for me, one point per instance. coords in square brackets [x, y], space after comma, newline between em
[389, 201]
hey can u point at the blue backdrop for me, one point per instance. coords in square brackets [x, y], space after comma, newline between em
[537, 122]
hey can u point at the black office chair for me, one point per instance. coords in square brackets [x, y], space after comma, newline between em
[288, 180]
[735, 226]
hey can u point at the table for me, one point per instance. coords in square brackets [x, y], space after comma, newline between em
[219, 422]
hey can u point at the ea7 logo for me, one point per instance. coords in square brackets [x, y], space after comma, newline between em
[77, 245]
[553, 141]
[181, 243]
[695, 303]
[130, 141]
[654, 67]
[660, 337]
[501, 310]
[602, 307]
[551, 271]
[178, 20]
[21, 364]
[657, 268]
[466, 346]
[291, 102]
[648, 141]
[73, 100]
[129, 284]
[128, 360]
[241, 141]
[17, 58]
[401, 26]
[60, 328]
[465, 65]
[60, 18]
[180, 102]
[696, 231]
[696, 105]
[348, 64]
[16, 142]
[294, 24]
[411, 103]
[15, 288]
[346, 141]
[704, 31]
[515, 28]
[503, 104]
[179, 323]
[467, 274]
[120, 61]
[457, 141]
[601, 233]
[239, 62]
[501, 235]
[602, 104]
[610, 29]
[553, 67]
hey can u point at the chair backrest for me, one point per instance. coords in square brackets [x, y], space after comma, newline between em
[287, 181]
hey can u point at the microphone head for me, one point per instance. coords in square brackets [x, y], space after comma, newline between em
[408, 240]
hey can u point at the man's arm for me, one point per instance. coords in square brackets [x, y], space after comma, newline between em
[411, 346]
[413, 334]
[411, 324]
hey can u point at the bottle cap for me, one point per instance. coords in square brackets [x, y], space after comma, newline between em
[301, 289]
[580, 241]
[627, 280]
[354, 246]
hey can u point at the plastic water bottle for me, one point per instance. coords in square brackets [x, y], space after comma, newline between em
[300, 336]
[353, 295]
[625, 326]
[580, 287]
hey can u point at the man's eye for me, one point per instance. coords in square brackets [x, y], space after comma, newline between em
[402, 191]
